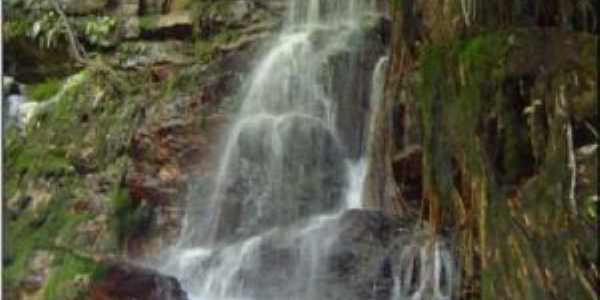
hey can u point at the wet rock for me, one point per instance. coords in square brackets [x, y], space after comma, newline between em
[372, 256]
[359, 264]
[123, 281]
[360, 254]
[307, 182]
[175, 148]
[350, 80]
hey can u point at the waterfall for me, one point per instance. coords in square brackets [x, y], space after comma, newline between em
[286, 173]
[358, 169]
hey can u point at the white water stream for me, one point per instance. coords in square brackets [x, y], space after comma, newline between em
[285, 176]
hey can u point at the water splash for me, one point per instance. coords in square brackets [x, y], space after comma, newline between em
[285, 176]
[427, 271]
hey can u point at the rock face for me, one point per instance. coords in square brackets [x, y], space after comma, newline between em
[353, 101]
[124, 282]
[485, 135]
[82, 7]
[105, 170]
[488, 132]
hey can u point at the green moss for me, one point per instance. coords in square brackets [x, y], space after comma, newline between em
[41, 230]
[477, 60]
[457, 91]
[16, 29]
[41, 150]
[89, 113]
[43, 91]
[123, 208]
[70, 277]
[130, 217]
[97, 30]
[88, 127]
[149, 22]
[204, 51]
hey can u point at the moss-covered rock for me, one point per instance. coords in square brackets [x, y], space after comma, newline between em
[501, 118]
[51, 163]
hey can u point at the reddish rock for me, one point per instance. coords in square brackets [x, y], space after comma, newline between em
[126, 282]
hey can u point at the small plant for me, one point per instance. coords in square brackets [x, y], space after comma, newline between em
[99, 29]
[47, 30]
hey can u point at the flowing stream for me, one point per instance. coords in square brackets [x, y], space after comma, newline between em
[287, 173]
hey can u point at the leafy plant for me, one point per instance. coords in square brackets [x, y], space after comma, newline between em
[98, 30]
[47, 30]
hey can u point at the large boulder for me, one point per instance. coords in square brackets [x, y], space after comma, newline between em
[124, 281]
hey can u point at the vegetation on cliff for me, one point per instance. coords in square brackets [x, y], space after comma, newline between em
[509, 158]
[489, 132]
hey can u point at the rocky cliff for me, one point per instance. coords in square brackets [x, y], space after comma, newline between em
[490, 135]
[488, 132]
[111, 107]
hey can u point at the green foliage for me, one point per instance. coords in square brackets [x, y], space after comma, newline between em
[45, 90]
[204, 51]
[47, 30]
[172, 85]
[87, 127]
[123, 207]
[14, 29]
[40, 230]
[43, 230]
[456, 75]
[99, 29]
[466, 94]
[38, 152]
[71, 276]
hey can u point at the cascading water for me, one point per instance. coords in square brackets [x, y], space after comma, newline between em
[287, 174]
[358, 169]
